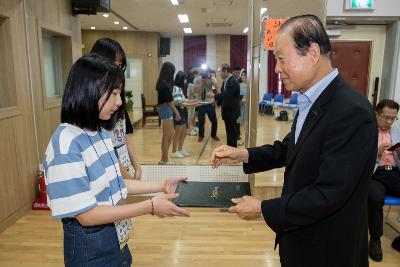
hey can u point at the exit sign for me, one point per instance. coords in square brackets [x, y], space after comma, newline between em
[359, 4]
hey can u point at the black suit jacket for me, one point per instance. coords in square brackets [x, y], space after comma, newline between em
[321, 217]
[230, 109]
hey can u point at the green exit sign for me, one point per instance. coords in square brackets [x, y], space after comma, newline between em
[359, 4]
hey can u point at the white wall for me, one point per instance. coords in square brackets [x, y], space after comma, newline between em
[376, 34]
[383, 8]
[211, 54]
[263, 78]
[176, 53]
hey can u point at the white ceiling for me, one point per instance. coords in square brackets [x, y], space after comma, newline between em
[205, 16]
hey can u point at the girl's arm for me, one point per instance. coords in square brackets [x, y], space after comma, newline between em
[159, 205]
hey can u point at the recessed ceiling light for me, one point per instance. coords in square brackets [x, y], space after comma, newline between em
[116, 22]
[245, 30]
[183, 18]
[93, 28]
[125, 28]
[174, 2]
[106, 15]
[187, 30]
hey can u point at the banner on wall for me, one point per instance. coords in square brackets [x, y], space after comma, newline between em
[271, 28]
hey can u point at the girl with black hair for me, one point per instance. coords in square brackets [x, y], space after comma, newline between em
[83, 178]
[167, 109]
[122, 133]
[181, 125]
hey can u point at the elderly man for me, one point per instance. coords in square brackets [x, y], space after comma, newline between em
[321, 218]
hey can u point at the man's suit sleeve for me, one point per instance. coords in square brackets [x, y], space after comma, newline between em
[267, 157]
[345, 151]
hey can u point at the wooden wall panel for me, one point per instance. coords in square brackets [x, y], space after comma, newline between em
[22, 148]
[135, 44]
[223, 48]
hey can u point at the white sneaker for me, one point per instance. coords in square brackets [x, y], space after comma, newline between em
[178, 154]
[184, 153]
[161, 162]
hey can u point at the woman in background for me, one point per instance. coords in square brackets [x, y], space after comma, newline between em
[122, 134]
[167, 108]
[244, 91]
[180, 126]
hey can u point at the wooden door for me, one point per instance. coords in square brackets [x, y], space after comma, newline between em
[352, 58]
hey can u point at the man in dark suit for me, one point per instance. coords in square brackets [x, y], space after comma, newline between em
[230, 109]
[321, 217]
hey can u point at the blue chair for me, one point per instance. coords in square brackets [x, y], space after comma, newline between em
[292, 104]
[267, 99]
[391, 201]
[278, 101]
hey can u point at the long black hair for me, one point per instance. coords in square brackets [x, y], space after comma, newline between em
[110, 49]
[166, 77]
[90, 77]
[180, 79]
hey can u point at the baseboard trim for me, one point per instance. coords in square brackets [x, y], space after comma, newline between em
[7, 222]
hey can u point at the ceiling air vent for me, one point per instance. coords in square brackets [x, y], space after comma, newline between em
[219, 25]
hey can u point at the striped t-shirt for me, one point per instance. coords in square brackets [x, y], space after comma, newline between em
[81, 171]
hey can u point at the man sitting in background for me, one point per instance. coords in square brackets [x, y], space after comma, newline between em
[386, 178]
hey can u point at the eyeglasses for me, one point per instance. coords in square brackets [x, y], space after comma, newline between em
[386, 118]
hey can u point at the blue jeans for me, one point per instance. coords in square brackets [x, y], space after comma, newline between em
[210, 110]
[93, 246]
[165, 112]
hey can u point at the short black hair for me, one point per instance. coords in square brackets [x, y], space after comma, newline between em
[110, 49]
[307, 29]
[225, 67]
[237, 67]
[180, 79]
[90, 77]
[386, 103]
[166, 77]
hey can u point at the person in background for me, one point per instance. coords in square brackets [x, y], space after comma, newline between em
[85, 188]
[236, 71]
[244, 91]
[329, 155]
[386, 177]
[180, 126]
[192, 97]
[167, 107]
[122, 134]
[203, 87]
[230, 109]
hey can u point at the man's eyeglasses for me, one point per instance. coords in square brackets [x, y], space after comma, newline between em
[386, 118]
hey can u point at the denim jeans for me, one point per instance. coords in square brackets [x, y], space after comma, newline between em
[93, 246]
[210, 110]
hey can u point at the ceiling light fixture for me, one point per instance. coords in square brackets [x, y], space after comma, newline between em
[183, 18]
[125, 28]
[245, 30]
[174, 2]
[187, 30]
[93, 28]
[106, 15]
[116, 22]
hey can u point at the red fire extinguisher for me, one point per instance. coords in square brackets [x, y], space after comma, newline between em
[41, 202]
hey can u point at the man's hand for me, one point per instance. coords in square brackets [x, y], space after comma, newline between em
[382, 148]
[247, 208]
[228, 155]
[171, 184]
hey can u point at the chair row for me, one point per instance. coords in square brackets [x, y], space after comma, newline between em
[277, 101]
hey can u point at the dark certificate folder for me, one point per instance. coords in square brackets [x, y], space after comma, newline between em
[210, 194]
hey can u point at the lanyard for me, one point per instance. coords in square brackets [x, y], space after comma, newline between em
[116, 172]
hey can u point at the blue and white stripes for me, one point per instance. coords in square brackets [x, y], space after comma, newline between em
[81, 171]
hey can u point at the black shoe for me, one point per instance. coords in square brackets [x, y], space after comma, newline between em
[375, 250]
[396, 243]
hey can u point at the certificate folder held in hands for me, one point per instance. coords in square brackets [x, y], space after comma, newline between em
[210, 194]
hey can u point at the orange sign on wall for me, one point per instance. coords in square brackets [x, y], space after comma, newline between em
[271, 28]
